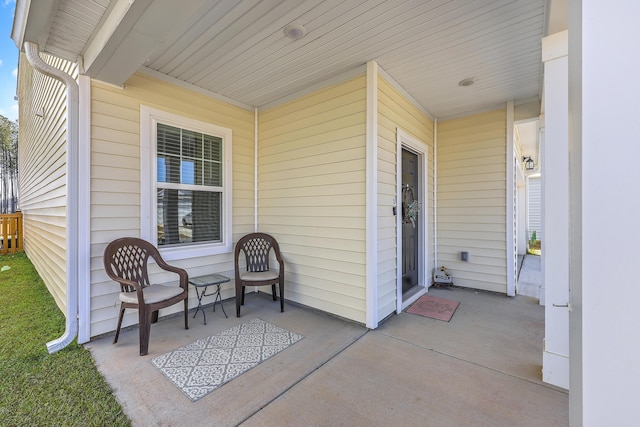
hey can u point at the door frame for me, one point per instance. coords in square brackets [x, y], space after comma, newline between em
[406, 141]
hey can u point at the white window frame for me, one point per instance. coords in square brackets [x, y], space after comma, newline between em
[149, 118]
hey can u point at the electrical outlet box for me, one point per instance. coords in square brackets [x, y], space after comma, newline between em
[464, 256]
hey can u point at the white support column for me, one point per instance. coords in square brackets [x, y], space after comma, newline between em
[555, 210]
[605, 207]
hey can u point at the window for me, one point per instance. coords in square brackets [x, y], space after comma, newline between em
[186, 185]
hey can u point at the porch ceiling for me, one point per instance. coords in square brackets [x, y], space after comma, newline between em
[237, 48]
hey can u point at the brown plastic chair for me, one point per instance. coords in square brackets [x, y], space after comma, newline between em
[257, 248]
[125, 261]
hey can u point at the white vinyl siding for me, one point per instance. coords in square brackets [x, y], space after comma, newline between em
[472, 199]
[395, 111]
[42, 172]
[312, 195]
[534, 204]
[115, 179]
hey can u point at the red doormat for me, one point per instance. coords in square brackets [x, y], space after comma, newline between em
[435, 308]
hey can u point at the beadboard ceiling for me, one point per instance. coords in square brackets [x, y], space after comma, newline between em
[237, 48]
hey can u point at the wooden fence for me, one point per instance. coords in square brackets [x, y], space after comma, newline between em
[11, 233]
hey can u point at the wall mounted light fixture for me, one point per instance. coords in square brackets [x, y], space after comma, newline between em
[529, 164]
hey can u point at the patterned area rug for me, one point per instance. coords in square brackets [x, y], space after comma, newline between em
[204, 365]
[435, 308]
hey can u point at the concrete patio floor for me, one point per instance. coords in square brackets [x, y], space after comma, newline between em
[483, 368]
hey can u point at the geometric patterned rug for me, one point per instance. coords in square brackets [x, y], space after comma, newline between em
[206, 364]
[435, 308]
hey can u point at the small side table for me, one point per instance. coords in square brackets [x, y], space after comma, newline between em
[203, 282]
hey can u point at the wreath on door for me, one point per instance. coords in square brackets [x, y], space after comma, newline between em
[410, 206]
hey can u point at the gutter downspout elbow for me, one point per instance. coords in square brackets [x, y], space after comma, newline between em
[71, 331]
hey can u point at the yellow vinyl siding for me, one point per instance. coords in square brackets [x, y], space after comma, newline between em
[312, 195]
[115, 179]
[42, 172]
[396, 111]
[472, 199]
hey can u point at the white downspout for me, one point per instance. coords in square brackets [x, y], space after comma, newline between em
[71, 330]
[255, 172]
[435, 193]
[255, 175]
[512, 260]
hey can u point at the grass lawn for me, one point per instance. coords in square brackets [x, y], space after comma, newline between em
[38, 388]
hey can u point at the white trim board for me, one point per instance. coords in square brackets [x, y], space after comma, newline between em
[84, 211]
[371, 279]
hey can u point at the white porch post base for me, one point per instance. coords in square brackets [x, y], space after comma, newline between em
[554, 369]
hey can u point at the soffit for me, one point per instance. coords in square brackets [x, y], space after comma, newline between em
[237, 49]
[72, 26]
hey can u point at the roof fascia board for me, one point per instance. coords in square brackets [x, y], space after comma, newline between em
[131, 32]
[32, 24]
[20, 22]
[109, 37]
[556, 14]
